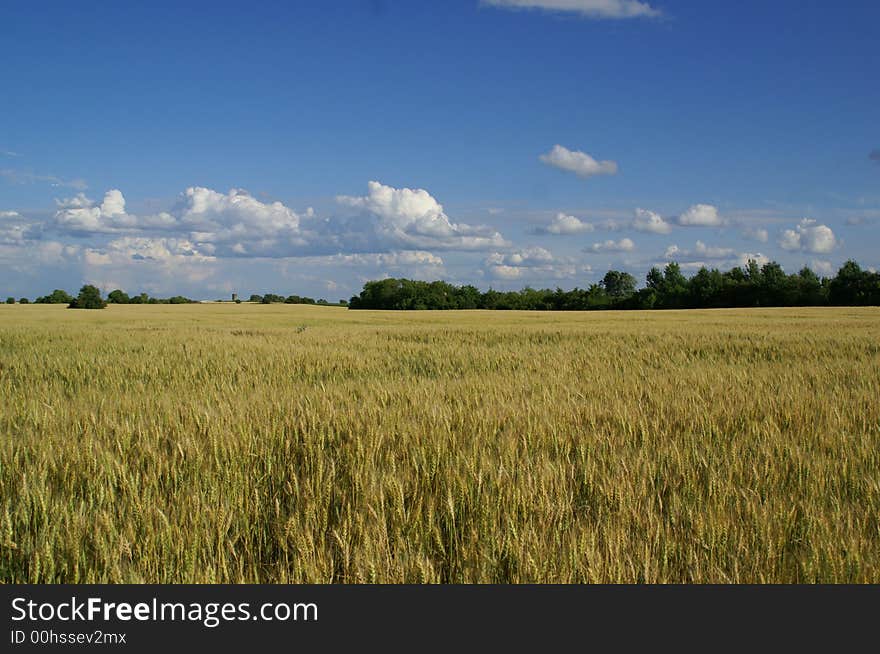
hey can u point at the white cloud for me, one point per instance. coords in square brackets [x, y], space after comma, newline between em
[80, 215]
[623, 245]
[587, 8]
[413, 218]
[701, 215]
[648, 221]
[238, 221]
[564, 224]
[159, 250]
[671, 252]
[533, 263]
[809, 237]
[9, 214]
[579, 163]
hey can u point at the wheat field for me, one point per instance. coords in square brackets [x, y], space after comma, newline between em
[283, 443]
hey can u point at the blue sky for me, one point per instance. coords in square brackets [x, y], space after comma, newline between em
[306, 147]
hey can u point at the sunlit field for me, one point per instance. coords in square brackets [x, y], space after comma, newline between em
[284, 443]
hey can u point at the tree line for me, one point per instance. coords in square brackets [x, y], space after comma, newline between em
[272, 298]
[748, 286]
[89, 297]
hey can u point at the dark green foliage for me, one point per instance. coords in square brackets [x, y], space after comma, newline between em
[296, 299]
[118, 297]
[89, 298]
[256, 298]
[754, 286]
[55, 297]
[24, 300]
[10, 300]
[619, 284]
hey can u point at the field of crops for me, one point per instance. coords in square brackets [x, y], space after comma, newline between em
[283, 443]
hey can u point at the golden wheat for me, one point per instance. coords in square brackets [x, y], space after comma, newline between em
[250, 443]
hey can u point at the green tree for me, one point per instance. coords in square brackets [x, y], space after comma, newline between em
[55, 297]
[10, 300]
[24, 300]
[619, 285]
[89, 298]
[118, 297]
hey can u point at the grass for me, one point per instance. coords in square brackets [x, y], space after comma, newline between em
[249, 443]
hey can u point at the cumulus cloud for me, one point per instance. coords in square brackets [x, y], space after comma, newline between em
[579, 163]
[233, 223]
[237, 221]
[587, 8]
[809, 237]
[177, 261]
[413, 218]
[530, 263]
[563, 224]
[623, 245]
[648, 221]
[822, 267]
[79, 214]
[701, 215]
[15, 228]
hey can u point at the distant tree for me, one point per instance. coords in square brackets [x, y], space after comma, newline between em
[55, 297]
[118, 297]
[89, 298]
[255, 298]
[10, 300]
[343, 303]
[271, 298]
[619, 285]
[24, 300]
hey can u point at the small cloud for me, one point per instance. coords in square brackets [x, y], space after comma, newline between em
[577, 162]
[648, 221]
[701, 215]
[564, 224]
[529, 263]
[623, 245]
[808, 237]
[613, 9]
